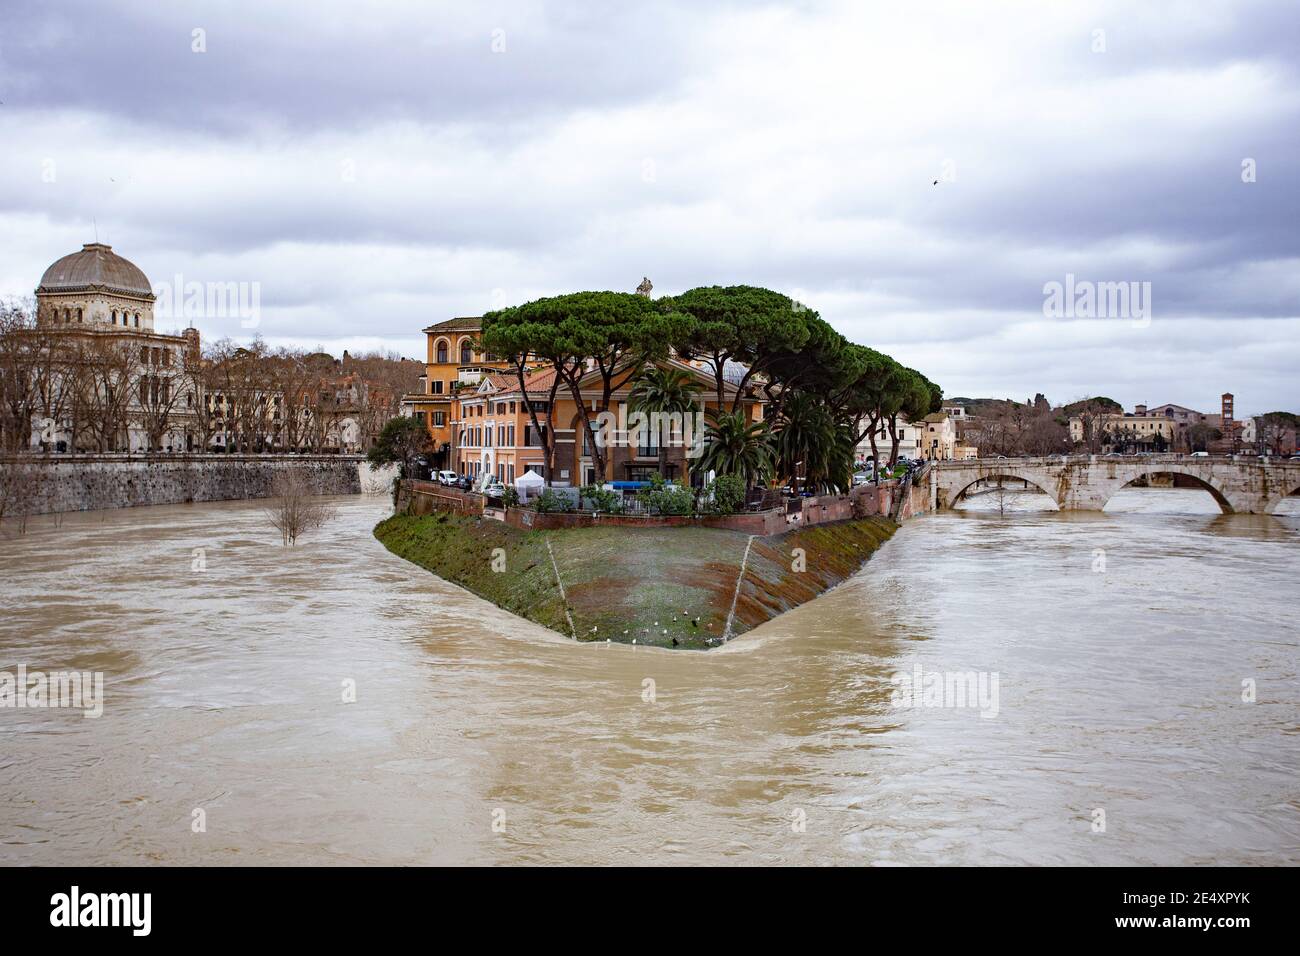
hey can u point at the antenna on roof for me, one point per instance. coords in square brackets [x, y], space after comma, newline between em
[96, 225]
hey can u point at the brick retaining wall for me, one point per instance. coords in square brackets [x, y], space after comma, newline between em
[423, 497]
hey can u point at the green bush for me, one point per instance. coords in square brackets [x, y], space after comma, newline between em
[548, 501]
[510, 499]
[724, 495]
[663, 498]
[603, 499]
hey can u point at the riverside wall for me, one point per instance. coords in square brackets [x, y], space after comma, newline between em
[66, 483]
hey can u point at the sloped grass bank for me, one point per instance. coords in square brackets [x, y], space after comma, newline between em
[652, 585]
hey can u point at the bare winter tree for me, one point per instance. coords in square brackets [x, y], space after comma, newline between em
[109, 369]
[1094, 414]
[17, 331]
[160, 386]
[295, 508]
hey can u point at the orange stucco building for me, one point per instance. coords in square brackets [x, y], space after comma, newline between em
[475, 410]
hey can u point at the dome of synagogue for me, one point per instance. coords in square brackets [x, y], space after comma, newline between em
[96, 266]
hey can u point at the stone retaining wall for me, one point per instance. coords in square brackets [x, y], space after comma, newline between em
[423, 497]
[91, 482]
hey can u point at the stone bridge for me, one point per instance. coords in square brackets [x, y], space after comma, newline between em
[1086, 482]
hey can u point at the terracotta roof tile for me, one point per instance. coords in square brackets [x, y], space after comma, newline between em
[468, 323]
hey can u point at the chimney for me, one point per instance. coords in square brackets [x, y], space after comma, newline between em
[1139, 409]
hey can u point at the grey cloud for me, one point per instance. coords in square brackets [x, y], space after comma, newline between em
[696, 144]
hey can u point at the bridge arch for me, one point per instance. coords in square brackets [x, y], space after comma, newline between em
[962, 486]
[1275, 503]
[1220, 497]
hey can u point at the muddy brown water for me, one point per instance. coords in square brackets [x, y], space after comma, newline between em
[476, 737]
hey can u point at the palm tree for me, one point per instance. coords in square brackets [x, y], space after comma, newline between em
[733, 446]
[805, 433]
[809, 434]
[664, 390]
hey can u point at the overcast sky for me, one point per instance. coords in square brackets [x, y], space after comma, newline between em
[376, 170]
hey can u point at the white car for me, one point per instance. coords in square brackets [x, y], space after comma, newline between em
[1200, 454]
[446, 477]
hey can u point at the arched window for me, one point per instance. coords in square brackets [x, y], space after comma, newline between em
[466, 353]
[78, 315]
[137, 320]
[442, 351]
[114, 317]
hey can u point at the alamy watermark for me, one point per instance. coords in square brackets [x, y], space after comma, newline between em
[650, 430]
[77, 690]
[1085, 299]
[129, 910]
[191, 300]
[948, 689]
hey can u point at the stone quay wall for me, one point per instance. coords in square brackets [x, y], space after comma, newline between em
[63, 483]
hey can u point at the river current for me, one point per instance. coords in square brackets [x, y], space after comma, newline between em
[1144, 664]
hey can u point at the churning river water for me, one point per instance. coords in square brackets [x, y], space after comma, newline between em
[1123, 644]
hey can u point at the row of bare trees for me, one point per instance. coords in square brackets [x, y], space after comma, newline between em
[87, 390]
[108, 391]
[1012, 429]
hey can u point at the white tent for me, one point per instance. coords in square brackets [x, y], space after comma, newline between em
[529, 484]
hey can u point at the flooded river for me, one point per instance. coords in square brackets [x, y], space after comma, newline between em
[1119, 643]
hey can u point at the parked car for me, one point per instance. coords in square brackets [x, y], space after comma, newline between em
[494, 489]
[1200, 454]
[447, 478]
[861, 478]
[464, 482]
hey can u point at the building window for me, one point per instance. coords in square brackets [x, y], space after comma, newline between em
[137, 320]
[647, 445]
[439, 418]
[442, 353]
[435, 387]
[78, 315]
[114, 322]
[466, 354]
[510, 438]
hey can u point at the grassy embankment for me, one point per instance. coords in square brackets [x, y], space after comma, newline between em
[647, 584]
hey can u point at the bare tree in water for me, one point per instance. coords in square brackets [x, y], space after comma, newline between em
[19, 487]
[1000, 492]
[296, 509]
